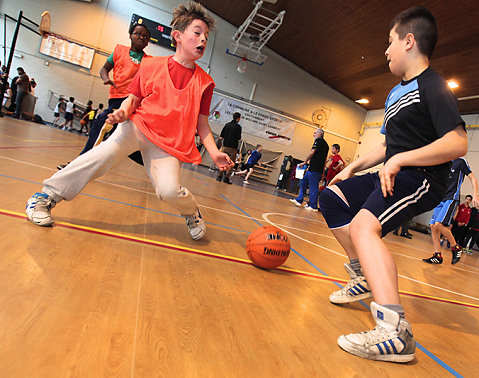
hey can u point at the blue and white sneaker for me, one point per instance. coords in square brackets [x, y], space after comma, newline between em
[356, 289]
[196, 225]
[38, 209]
[391, 340]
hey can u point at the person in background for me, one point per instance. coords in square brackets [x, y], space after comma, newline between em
[60, 107]
[22, 86]
[231, 135]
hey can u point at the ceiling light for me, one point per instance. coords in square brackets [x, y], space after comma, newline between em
[452, 84]
[363, 101]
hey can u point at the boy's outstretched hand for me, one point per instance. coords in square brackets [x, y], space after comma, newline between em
[118, 116]
[222, 161]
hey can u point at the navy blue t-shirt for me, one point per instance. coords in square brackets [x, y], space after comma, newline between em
[254, 157]
[418, 112]
[459, 169]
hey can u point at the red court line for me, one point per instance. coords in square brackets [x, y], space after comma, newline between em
[226, 258]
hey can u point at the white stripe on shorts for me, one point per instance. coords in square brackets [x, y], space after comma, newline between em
[404, 202]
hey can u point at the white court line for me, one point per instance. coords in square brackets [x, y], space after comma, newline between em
[240, 215]
[265, 217]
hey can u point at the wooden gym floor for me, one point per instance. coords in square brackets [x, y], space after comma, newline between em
[117, 288]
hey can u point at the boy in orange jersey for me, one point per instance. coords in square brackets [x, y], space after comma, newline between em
[124, 62]
[169, 102]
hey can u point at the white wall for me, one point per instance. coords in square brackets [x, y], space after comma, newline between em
[104, 23]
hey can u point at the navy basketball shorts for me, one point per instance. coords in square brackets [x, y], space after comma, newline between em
[413, 194]
[444, 212]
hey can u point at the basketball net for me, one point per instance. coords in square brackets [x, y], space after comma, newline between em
[242, 65]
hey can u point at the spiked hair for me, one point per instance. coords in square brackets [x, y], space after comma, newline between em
[183, 15]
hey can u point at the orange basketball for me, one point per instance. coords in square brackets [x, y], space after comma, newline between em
[268, 247]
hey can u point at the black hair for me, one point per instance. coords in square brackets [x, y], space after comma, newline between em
[236, 116]
[469, 196]
[100, 106]
[133, 26]
[89, 102]
[420, 22]
[20, 69]
[335, 145]
[72, 99]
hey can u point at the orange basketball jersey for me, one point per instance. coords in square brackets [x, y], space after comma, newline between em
[167, 116]
[124, 70]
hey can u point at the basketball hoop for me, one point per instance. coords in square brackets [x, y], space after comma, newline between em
[45, 23]
[242, 65]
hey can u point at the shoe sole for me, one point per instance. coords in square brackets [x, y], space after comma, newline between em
[350, 348]
[41, 223]
[341, 300]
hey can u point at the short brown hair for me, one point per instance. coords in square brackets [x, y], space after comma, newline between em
[183, 15]
[420, 22]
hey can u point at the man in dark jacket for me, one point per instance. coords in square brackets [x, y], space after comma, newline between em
[230, 135]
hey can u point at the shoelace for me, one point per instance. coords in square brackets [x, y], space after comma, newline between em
[192, 220]
[378, 335]
[351, 284]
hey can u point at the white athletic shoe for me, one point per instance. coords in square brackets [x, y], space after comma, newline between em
[196, 225]
[391, 340]
[293, 200]
[38, 209]
[246, 182]
[307, 207]
[356, 289]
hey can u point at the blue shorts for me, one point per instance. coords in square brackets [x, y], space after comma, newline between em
[444, 212]
[414, 193]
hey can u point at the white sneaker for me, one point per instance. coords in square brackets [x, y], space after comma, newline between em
[246, 182]
[356, 289]
[391, 340]
[196, 225]
[307, 207]
[293, 200]
[38, 209]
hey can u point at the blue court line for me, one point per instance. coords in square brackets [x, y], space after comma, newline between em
[419, 346]
[131, 205]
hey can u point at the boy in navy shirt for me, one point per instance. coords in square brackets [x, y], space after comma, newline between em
[423, 133]
[252, 161]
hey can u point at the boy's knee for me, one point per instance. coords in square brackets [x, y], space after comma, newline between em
[171, 193]
[335, 211]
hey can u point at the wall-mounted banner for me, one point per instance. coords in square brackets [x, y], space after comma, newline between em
[254, 121]
[67, 51]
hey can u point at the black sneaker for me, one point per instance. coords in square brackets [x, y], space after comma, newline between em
[434, 259]
[456, 254]
[227, 180]
[407, 236]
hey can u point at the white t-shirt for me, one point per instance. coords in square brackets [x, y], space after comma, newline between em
[69, 107]
[57, 108]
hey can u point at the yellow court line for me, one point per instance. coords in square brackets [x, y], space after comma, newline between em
[222, 257]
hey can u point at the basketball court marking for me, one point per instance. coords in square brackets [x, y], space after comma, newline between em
[218, 256]
[265, 217]
[212, 208]
[241, 261]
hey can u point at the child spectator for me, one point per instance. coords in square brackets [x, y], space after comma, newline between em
[85, 117]
[70, 110]
[463, 215]
[334, 163]
[58, 108]
[163, 130]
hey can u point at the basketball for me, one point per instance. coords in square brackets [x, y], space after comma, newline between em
[268, 247]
